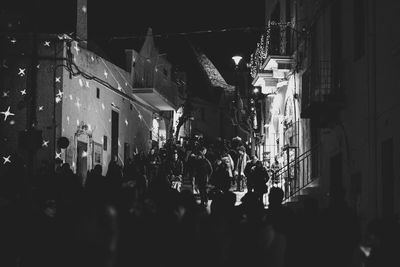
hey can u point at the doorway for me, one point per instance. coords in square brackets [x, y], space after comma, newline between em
[81, 160]
[114, 133]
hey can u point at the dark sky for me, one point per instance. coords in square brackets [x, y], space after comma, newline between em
[117, 18]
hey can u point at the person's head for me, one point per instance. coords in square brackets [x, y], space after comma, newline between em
[203, 150]
[241, 150]
[98, 169]
[275, 196]
[254, 159]
[258, 163]
[152, 151]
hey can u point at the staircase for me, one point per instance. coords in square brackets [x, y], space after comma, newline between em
[300, 178]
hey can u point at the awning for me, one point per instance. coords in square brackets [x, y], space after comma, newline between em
[154, 98]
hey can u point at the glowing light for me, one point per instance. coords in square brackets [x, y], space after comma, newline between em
[40, 108]
[12, 122]
[255, 90]
[21, 72]
[140, 116]
[77, 122]
[58, 155]
[7, 159]
[58, 79]
[84, 154]
[47, 43]
[102, 106]
[105, 74]
[23, 92]
[77, 103]
[5, 94]
[126, 122]
[71, 97]
[92, 58]
[60, 93]
[38, 66]
[87, 84]
[80, 82]
[45, 143]
[58, 99]
[13, 40]
[84, 9]
[119, 87]
[7, 113]
[68, 119]
[236, 59]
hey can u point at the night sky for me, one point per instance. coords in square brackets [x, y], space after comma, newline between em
[108, 19]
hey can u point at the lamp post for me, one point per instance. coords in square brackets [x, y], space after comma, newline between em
[237, 60]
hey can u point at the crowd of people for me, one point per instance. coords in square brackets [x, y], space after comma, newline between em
[139, 214]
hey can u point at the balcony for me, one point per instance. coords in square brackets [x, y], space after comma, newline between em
[279, 50]
[322, 94]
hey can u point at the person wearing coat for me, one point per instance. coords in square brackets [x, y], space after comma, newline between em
[260, 178]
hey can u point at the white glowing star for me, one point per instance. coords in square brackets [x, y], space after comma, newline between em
[77, 122]
[81, 82]
[21, 72]
[58, 79]
[7, 159]
[13, 40]
[84, 154]
[126, 122]
[105, 73]
[38, 66]
[140, 116]
[60, 37]
[5, 94]
[58, 99]
[45, 143]
[92, 58]
[119, 87]
[87, 84]
[40, 108]
[58, 155]
[7, 113]
[126, 84]
[68, 119]
[71, 97]
[47, 43]
[60, 93]
[102, 106]
[23, 92]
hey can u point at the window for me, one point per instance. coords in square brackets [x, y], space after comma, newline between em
[105, 142]
[130, 106]
[98, 93]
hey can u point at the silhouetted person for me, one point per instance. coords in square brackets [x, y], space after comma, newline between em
[203, 171]
[260, 178]
[340, 232]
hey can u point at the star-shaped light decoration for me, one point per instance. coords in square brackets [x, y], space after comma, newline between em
[7, 159]
[87, 84]
[7, 113]
[105, 74]
[140, 116]
[126, 122]
[77, 122]
[102, 106]
[21, 72]
[84, 9]
[80, 82]
[58, 155]
[119, 87]
[84, 154]
[12, 122]
[13, 40]
[68, 119]
[60, 93]
[5, 94]
[60, 37]
[92, 58]
[126, 84]
[119, 143]
[71, 97]
[45, 143]
[58, 79]
[23, 92]
[46, 43]
[40, 108]
[38, 66]
[58, 99]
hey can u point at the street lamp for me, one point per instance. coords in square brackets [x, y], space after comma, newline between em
[237, 60]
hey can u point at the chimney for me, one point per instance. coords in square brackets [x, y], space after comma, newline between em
[81, 22]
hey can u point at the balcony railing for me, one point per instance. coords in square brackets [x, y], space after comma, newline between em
[321, 87]
[298, 173]
[281, 40]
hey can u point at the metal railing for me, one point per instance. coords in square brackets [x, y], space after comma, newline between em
[298, 173]
[321, 83]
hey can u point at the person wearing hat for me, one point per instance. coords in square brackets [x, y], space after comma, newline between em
[240, 165]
